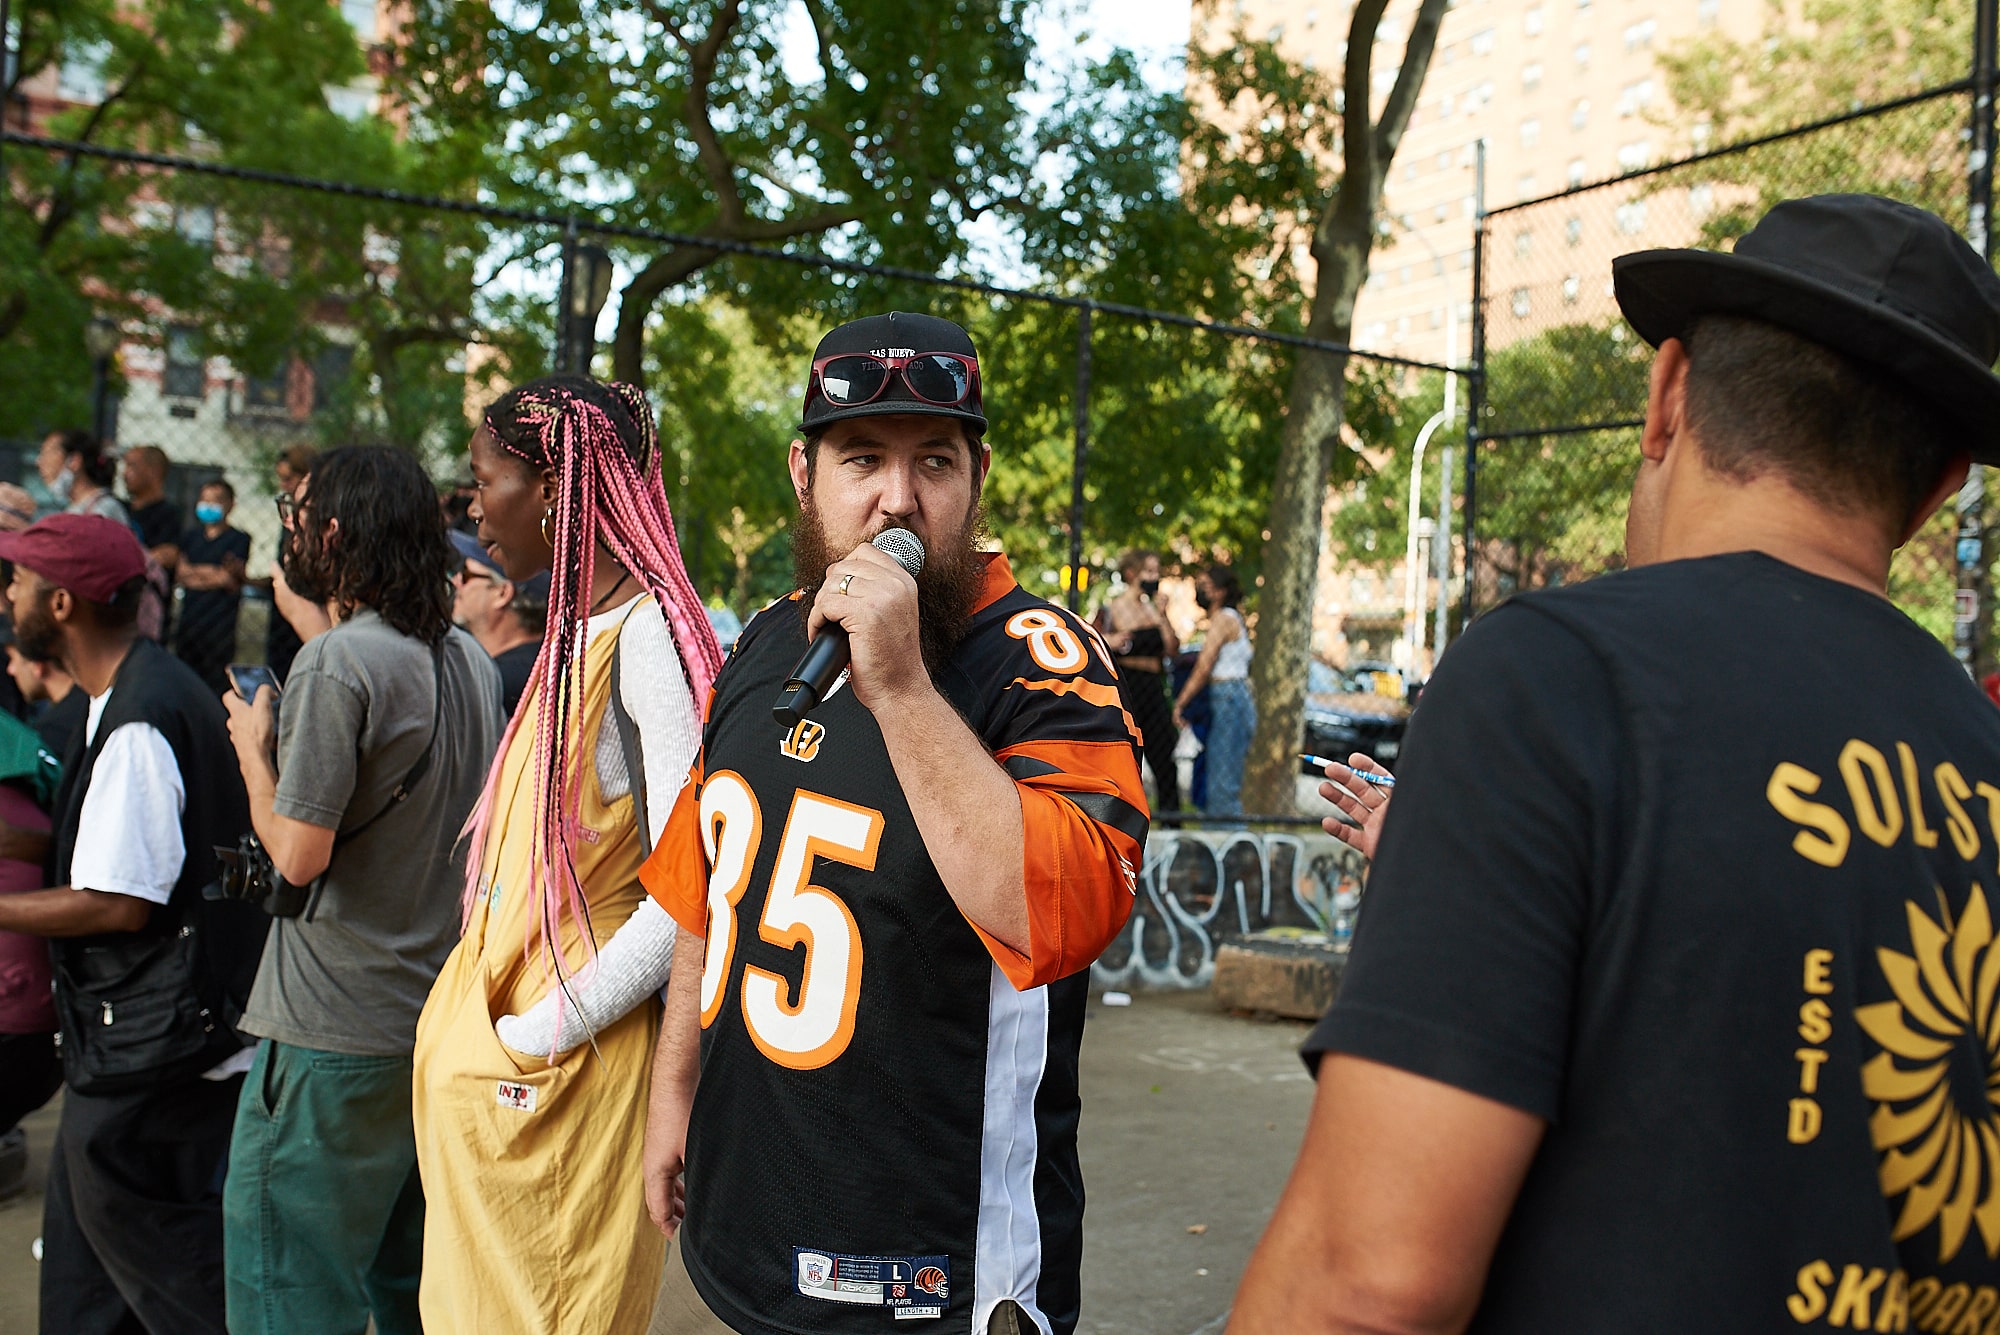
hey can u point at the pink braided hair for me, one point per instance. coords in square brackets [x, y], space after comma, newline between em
[600, 441]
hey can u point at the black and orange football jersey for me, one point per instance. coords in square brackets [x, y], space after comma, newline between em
[885, 1126]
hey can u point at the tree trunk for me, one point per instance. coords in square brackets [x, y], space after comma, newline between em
[1340, 245]
[635, 303]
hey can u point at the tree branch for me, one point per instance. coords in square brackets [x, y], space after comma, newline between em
[1409, 79]
[715, 163]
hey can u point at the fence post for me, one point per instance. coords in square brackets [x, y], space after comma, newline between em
[1968, 637]
[1475, 382]
[1075, 580]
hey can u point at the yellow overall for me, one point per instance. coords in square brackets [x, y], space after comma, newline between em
[535, 1211]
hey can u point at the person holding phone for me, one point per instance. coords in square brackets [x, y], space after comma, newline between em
[361, 783]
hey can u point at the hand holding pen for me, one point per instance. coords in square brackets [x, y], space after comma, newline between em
[1361, 789]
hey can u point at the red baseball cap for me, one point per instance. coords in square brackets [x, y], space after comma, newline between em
[91, 556]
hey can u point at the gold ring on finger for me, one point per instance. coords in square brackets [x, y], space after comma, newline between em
[845, 580]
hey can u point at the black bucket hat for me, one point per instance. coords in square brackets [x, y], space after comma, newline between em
[897, 334]
[1883, 282]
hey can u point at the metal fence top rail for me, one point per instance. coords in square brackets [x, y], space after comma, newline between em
[584, 224]
[1957, 87]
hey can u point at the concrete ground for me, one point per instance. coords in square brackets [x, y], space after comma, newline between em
[1191, 1118]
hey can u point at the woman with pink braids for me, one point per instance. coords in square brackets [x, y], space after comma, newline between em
[534, 1048]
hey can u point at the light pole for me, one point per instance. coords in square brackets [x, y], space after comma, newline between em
[1413, 577]
[100, 340]
[586, 286]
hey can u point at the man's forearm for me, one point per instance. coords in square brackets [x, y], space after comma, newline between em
[299, 849]
[966, 808]
[67, 911]
[677, 1056]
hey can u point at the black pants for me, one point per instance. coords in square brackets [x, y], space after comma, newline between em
[132, 1221]
[1145, 695]
[30, 1074]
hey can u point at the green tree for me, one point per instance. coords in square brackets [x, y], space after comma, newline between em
[264, 275]
[1344, 207]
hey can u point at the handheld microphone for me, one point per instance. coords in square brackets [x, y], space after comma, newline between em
[827, 656]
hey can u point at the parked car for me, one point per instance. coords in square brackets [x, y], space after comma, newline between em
[1359, 709]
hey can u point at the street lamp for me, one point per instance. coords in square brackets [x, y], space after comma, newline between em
[1413, 578]
[586, 286]
[101, 338]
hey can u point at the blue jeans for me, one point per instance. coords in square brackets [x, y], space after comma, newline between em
[1232, 718]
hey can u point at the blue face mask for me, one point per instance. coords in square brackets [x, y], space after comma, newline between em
[208, 513]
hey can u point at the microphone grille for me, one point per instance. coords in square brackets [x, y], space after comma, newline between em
[903, 547]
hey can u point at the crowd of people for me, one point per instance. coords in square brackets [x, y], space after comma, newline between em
[492, 960]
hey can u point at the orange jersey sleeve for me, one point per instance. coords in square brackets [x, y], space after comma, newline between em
[1083, 818]
[676, 874]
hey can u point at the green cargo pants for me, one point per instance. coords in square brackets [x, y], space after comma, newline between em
[323, 1212]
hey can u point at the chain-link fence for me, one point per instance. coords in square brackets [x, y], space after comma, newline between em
[1564, 385]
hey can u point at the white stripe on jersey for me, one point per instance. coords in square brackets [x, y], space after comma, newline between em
[1007, 1255]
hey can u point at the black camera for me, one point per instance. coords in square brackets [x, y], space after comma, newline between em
[246, 873]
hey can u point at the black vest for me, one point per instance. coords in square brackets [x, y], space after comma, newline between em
[213, 949]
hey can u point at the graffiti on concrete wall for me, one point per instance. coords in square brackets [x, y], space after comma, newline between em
[1201, 888]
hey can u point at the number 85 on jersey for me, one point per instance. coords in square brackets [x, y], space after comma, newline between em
[817, 1030]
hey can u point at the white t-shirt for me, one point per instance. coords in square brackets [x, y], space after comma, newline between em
[130, 826]
[130, 841]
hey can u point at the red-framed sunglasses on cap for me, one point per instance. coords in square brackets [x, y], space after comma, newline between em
[942, 379]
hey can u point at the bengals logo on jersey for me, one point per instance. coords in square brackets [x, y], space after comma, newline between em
[931, 1280]
[802, 742]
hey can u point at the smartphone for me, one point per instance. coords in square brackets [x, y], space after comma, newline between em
[248, 677]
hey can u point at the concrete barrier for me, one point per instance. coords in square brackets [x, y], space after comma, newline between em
[1202, 889]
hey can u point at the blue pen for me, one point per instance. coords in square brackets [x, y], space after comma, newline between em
[1379, 780]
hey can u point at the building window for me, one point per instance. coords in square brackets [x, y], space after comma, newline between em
[1521, 305]
[1579, 115]
[1531, 75]
[1640, 34]
[1576, 170]
[185, 376]
[1573, 231]
[1482, 42]
[195, 224]
[1531, 132]
[1445, 105]
[1572, 285]
[360, 15]
[1582, 53]
[1701, 199]
[1524, 243]
[1526, 185]
[330, 368]
[1631, 216]
[1707, 12]
[1633, 156]
[1635, 97]
[1437, 317]
[1531, 22]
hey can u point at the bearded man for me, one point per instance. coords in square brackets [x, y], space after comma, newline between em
[871, 1082]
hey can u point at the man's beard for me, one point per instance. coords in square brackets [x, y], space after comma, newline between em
[946, 587]
[307, 569]
[37, 635]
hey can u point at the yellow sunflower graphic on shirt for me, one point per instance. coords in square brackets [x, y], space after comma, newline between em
[1936, 1082]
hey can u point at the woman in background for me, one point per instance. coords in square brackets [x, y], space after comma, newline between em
[1223, 667]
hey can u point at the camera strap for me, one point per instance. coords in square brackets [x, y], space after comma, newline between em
[397, 797]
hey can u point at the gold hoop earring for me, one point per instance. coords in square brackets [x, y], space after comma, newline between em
[547, 536]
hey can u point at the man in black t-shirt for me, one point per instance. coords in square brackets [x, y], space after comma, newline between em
[213, 558]
[1675, 999]
[158, 521]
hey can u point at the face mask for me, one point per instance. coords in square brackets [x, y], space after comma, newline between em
[1149, 587]
[208, 514]
[65, 480]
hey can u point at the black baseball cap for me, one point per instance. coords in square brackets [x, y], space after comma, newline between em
[897, 334]
[1885, 283]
